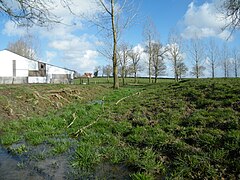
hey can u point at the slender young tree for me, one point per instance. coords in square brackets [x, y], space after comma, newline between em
[182, 69]
[225, 61]
[149, 34]
[107, 70]
[236, 62]
[135, 56]
[196, 50]
[114, 17]
[175, 52]
[123, 60]
[213, 56]
[158, 55]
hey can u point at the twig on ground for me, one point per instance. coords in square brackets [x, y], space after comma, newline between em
[9, 109]
[60, 97]
[74, 118]
[81, 130]
[126, 97]
[103, 104]
[68, 92]
[38, 96]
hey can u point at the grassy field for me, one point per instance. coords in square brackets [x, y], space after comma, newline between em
[128, 80]
[168, 130]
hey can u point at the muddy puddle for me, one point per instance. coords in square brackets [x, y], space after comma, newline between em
[37, 164]
[29, 167]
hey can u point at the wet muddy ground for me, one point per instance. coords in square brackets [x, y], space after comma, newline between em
[29, 166]
[37, 164]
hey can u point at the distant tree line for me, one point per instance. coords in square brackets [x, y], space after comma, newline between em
[205, 57]
[115, 16]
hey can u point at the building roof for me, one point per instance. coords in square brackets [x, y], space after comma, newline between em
[36, 60]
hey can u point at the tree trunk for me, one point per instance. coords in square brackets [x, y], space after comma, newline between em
[175, 69]
[123, 76]
[213, 71]
[149, 60]
[114, 58]
[235, 69]
[135, 77]
[197, 67]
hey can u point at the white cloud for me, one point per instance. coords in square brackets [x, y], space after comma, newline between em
[204, 21]
[138, 49]
[50, 55]
[78, 52]
[84, 61]
[67, 45]
[11, 29]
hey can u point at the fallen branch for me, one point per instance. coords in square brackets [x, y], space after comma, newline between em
[74, 118]
[59, 104]
[126, 97]
[38, 96]
[103, 103]
[85, 127]
[60, 97]
[67, 92]
[9, 109]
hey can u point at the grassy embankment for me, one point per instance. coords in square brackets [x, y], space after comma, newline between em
[181, 130]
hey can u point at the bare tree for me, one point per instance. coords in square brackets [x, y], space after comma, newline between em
[231, 10]
[114, 17]
[26, 46]
[123, 60]
[175, 52]
[28, 13]
[226, 64]
[135, 56]
[196, 50]
[158, 65]
[182, 69]
[236, 62]
[213, 56]
[149, 34]
[107, 70]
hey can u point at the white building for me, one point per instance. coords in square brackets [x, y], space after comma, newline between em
[16, 69]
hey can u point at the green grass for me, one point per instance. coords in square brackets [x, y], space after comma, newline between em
[184, 130]
[128, 80]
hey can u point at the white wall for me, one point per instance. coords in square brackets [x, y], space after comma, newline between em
[23, 65]
[56, 70]
[6, 64]
[6, 67]
[37, 80]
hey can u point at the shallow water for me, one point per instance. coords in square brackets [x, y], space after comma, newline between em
[10, 168]
[27, 167]
[36, 164]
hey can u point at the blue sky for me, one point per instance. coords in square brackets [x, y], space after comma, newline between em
[76, 47]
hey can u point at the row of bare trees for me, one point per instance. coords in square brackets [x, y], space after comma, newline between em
[210, 56]
[112, 19]
[128, 62]
[204, 56]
